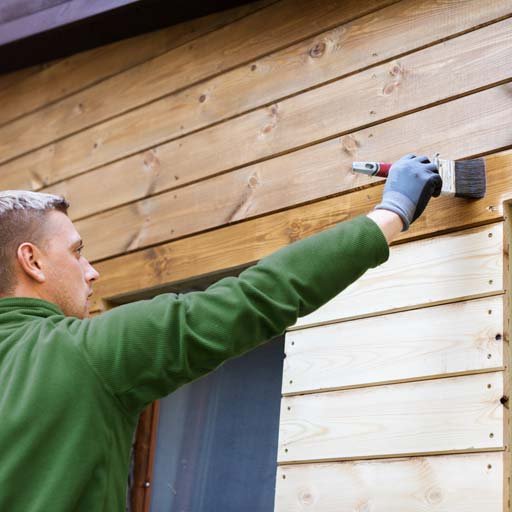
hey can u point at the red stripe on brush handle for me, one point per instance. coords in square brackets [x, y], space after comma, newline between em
[379, 169]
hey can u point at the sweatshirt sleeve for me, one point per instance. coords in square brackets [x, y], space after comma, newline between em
[144, 350]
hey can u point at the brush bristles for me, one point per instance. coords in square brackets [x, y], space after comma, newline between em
[470, 178]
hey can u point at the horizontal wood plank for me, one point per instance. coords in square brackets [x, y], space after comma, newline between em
[289, 71]
[307, 175]
[244, 243]
[425, 272]
[452, 483]
[444, 340]
[14, 78]
[279, 25]
[67, 76]
[438, 416]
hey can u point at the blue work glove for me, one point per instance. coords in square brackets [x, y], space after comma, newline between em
[411, 182]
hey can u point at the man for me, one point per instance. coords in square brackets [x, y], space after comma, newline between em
[72, 387]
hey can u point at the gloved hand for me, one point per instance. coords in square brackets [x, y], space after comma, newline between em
[411, 182]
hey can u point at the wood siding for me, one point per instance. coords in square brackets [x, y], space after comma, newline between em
[201, 148]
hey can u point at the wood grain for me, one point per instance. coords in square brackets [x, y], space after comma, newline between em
[238, 43]
[431, 342]
[69, 75]
[144, 454]
[453, 483]
[445, 268]
[241, 244]
[310, 174]
[438, 416]
[14, 78]
[266, 80]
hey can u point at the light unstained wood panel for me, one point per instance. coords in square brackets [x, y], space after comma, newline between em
[441, 269]
[449, 339]
[264, 31]
[242, 244]
[446, 483]
[436, 416]
[481, 121]
[67, 76]
[402, 26]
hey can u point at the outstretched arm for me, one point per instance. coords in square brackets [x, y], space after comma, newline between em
[144, 350]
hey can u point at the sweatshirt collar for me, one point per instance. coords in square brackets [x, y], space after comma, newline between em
[29, 306]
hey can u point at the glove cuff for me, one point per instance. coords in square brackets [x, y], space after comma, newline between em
[400, 204]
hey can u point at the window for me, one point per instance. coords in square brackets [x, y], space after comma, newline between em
[217, 438]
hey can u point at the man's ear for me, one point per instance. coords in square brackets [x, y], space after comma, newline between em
[29, 258]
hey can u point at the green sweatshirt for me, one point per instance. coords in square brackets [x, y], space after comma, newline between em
[71, 390]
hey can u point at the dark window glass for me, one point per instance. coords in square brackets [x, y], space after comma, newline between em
[217, 438]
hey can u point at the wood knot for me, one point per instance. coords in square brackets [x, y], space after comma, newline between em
[363, 507]
[253, 181]
[306, 498]
[294, 231]
[389, 88]
[274, 115]
[350, 144]
[150, 161]
[396, 70]
[202, 98]
[434, 496]
[317, 51]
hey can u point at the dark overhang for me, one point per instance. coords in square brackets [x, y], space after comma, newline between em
[37, 31]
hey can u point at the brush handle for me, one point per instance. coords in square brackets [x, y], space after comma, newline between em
[379, 169]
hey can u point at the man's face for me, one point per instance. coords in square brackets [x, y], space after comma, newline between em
[69, 276]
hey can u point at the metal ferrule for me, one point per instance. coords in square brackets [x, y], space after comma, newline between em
[369, 168]
[446, 170]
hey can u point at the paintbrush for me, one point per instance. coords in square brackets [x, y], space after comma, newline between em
[461, 178]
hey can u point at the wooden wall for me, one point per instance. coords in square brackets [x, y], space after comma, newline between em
[401, 381]
[188, 136]
[206, 146]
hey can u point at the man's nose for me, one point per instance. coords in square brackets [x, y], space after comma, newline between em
[92, 273]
